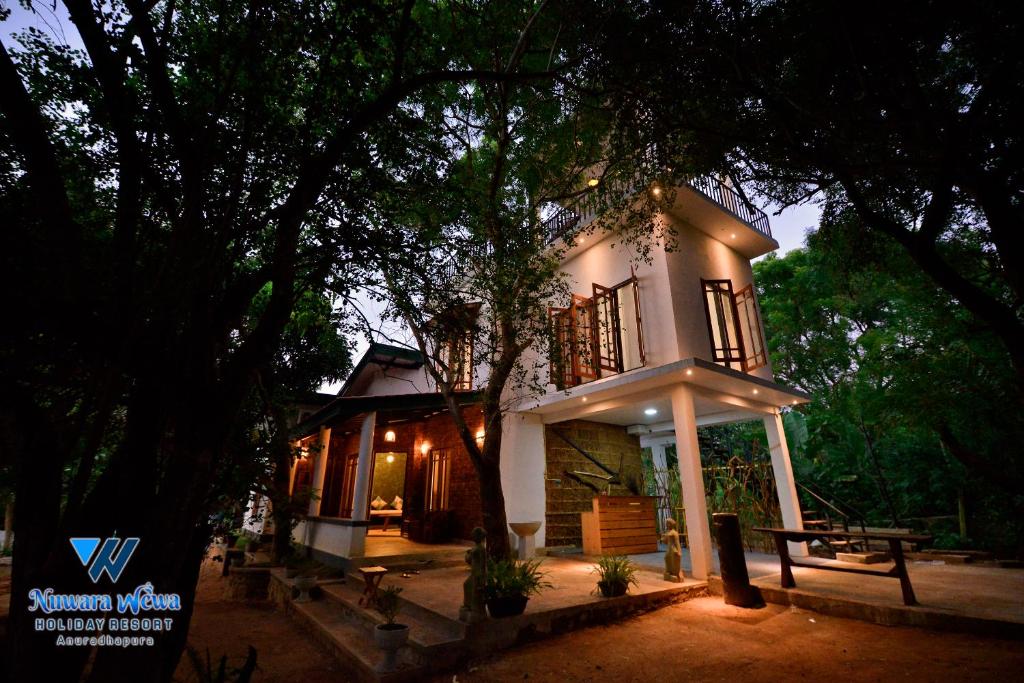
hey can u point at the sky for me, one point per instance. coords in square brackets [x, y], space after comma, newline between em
[789, 227]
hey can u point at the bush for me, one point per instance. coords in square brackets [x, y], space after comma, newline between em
[508, 578]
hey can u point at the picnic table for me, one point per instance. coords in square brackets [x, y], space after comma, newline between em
[895, 541]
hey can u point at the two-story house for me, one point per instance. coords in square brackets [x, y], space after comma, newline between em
[644, 354]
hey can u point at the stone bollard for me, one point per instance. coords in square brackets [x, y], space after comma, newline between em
[736, 586]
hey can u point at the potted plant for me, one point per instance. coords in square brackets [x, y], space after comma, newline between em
[390, 636]
[305, 579]
[510, 583]
[615, 574]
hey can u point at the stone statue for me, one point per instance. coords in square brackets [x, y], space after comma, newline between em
[673, 553]
[472, 609]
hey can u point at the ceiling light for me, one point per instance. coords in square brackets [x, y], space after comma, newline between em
[733, 235]
[651, 411]
[689, 371]
[390, 458]
[656, 191]
[593, 182]
[584, 399]
[755, 391]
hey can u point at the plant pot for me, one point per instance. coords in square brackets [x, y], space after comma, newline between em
[507, 605]
[612, 589]
[390, 638]
[304, 584]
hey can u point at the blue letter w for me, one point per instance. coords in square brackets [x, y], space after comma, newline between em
[106, 561]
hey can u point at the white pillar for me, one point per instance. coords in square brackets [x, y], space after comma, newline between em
[363, 466]
[319, 469]
[360, 497]
[691, 481]
[295, 466]
[523, 464]
[785, 484]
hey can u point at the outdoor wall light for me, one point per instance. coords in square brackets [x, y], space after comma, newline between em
[755, 391]
[733, 235]
[390, 458]
[480, 434]
[689, 372]
[425, 447]
[584, 399]
[651, 411]
[389, 436]
[656, 191]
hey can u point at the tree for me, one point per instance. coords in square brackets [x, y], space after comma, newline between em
[910, 393]
[168, 193]
[471, 274]
[905, 112]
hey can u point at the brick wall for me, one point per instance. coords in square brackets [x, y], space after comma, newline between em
[566, 499]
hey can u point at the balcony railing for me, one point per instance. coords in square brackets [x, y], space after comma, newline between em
[568, 219]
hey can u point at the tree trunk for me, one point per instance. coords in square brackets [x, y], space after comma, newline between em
[281, 506]
[492, 503]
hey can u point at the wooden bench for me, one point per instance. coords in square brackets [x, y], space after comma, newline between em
[895, 541]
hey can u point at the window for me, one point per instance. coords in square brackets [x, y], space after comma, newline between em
[754, 354]
[303, 475]
[597, 336]
[455, 361]
[438, 476]
[734, 326]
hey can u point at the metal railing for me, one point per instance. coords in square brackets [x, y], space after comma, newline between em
[581, 212]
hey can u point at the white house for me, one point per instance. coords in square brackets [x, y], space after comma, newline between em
[646, 353]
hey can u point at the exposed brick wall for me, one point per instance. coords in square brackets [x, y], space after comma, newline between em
[439, 431]
[566, 499]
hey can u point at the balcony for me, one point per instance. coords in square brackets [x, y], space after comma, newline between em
[579, 214]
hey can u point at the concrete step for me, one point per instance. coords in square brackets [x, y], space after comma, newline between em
[352, 644]
[428, 631]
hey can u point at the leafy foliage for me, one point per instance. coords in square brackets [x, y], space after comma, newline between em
[913, 400]
[511, 577]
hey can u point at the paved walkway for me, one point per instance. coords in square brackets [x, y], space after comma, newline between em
[573, 583]
[977, 591]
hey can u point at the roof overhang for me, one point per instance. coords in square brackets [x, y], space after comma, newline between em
[731, 390]
[346, 407]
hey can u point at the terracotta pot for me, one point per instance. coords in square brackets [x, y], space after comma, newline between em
[507, 605]
[613, 589]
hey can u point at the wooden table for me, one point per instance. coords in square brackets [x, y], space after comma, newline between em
[387, 515]
[371, 580]
[895, 541]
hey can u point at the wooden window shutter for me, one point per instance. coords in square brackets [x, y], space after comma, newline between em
[754, 353]
[584, 337]
[561, 348]
[723, 322]
[607, 347]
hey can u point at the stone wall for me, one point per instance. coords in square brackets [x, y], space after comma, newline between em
[566, 498]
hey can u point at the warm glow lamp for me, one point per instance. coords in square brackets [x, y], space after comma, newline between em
[389, 436]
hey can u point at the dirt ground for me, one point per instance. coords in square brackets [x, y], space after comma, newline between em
[284, 652]
[706, 640]
[699, 640]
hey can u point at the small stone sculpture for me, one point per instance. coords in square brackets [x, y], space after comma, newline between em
[673, 553]
[472, 609]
